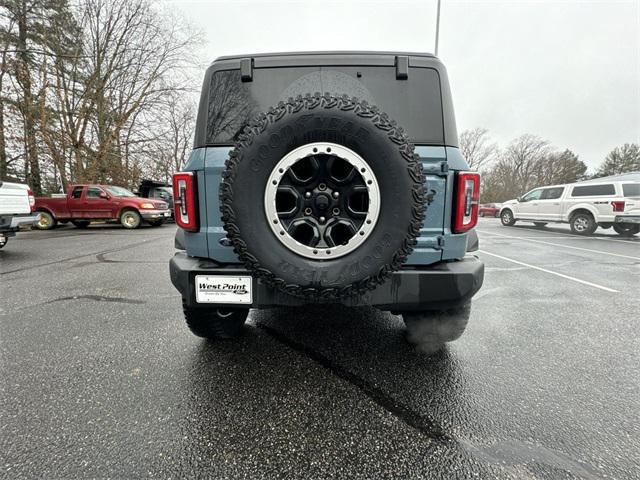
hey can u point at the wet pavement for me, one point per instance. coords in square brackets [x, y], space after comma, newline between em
[99, 376]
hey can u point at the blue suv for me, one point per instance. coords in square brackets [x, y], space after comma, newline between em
[328, 177]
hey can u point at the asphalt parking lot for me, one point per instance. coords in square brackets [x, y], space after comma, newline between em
[99, 376]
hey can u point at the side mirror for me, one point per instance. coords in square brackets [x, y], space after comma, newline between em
[104, 195]
[519, 199]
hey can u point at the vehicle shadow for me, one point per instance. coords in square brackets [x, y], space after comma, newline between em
[67, 229]
[600, 233]
[362, 346]
[313, 378]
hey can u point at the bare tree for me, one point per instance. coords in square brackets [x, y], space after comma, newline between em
[559, 167]
[91, 81]
[526, 163]
[476, 147]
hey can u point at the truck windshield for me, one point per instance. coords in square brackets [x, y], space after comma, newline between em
[119, 192]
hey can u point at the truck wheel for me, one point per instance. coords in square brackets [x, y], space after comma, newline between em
[583, 224]
[429, 331]
[214, 323]
[323, 197]
[539, 224]
[506, 217]
[46, 222]
[130, 219]
[626, 229]
[81, 223]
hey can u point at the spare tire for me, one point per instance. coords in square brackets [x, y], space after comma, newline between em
[323, 197]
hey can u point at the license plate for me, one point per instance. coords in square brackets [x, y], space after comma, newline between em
[222, 289]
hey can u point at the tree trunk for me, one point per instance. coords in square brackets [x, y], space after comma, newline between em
[3, 144]
[24, 79]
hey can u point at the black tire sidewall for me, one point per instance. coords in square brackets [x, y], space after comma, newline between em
[592, 225]
[629, 231]
[397, 192]
[507, 224]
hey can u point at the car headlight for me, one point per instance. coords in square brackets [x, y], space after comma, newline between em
[147, 205]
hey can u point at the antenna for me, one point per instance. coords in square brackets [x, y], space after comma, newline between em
[437, 27]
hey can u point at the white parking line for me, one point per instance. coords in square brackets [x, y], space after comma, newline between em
[573, 279]
[576, 236]
[528, 239]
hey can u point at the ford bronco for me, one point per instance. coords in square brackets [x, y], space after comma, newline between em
[327, 178]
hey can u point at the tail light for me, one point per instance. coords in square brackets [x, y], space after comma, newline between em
[467, 195]
[618, 206]
[185, 201]
[32, 200]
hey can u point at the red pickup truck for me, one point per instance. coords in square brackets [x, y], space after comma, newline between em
[84, 203]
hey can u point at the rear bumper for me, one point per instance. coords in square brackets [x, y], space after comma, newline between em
[627, 219]
[155, 214]
[439, 286]
[12, 223]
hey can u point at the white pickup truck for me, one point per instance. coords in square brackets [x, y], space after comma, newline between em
[16, 209]
[604, 202]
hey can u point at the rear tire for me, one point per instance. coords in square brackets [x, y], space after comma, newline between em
[130, 219]
[46, 222]
[583, 224]
[506, 217]
[429, 331]
[214, 323]
[626, 229]
[81, 223]
[539, 224]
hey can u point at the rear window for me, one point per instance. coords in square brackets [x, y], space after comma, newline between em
[415, 103]
[631, 189]
[593, 190]
[77, 192]
[551, 193]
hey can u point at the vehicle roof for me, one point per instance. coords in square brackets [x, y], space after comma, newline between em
[104, 185]
[624, 177]
[354, 53]
[15, 185]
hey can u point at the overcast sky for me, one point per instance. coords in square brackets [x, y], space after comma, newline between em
[568, 71]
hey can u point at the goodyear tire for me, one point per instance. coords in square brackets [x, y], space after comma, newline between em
[322, 152]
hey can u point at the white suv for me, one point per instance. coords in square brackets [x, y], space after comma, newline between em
[604, 202]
